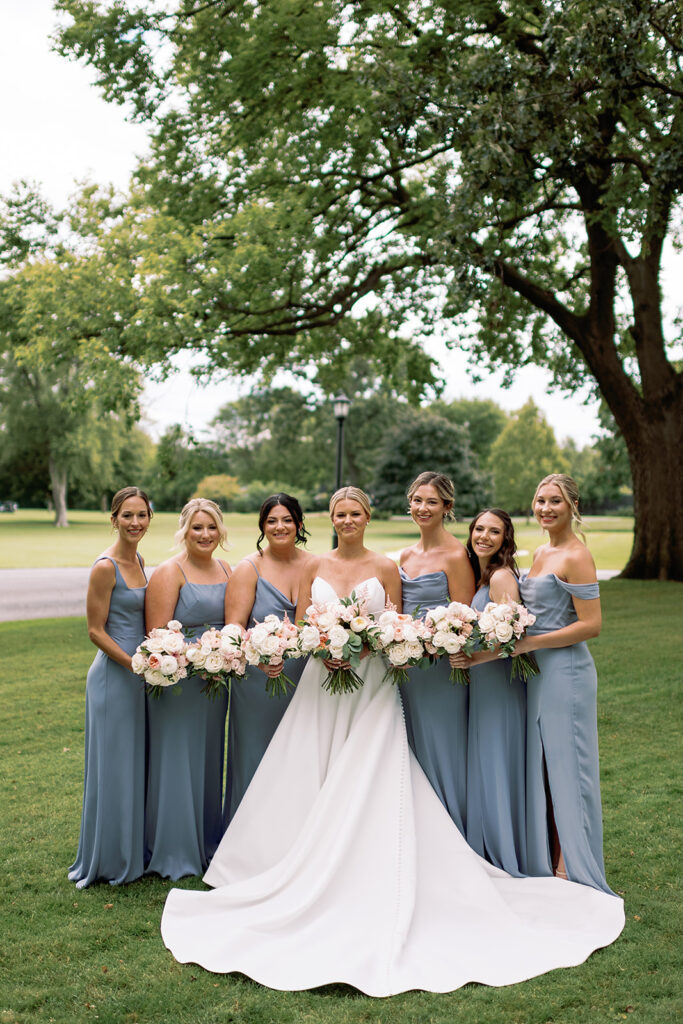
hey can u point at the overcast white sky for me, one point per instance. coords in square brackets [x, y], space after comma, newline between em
[56, 129]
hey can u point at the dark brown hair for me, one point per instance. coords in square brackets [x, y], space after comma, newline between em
[294, 509]
[504, 558]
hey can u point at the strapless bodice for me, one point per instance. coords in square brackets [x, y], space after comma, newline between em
[371, 590]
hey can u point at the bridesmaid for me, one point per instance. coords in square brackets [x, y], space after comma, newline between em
[564, 812]
[434, 571]
[496, 739]
[264, 583]
[112, 825]
[184, 821]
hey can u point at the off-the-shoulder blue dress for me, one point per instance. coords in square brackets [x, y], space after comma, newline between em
[254, 714]
[184, 820]
[111, 843]
[562, 734]
[435, 708]
[496, 750]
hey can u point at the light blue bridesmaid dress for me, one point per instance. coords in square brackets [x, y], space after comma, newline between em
[562, 733]
[496, 748]
[183, 817]
[254, 714]
[435, 708]
[111, 843]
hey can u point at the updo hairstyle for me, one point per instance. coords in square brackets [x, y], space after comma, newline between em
[443, 486]
[294, 509]
[570, 492]
[504, 558]
[193, 506]
[123, 495]
[351, 494]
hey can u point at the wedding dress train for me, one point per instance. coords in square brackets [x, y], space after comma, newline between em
[342, 865]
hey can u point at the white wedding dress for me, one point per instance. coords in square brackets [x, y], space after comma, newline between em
[342, 865]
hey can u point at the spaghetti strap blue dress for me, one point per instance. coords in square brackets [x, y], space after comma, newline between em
[254, 714]
[111, 843]
[496, 748]
[435, 708]
[562, 739]
[183, 818]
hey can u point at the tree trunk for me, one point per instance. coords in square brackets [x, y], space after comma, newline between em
[655, 447]
[58, 483]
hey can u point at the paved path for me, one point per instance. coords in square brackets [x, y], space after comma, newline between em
[57, 593]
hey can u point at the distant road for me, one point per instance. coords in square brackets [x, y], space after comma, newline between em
[58, 593]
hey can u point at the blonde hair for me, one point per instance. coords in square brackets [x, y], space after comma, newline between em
[570, 492]
[442, 484]
[352, 494]
[189, 510]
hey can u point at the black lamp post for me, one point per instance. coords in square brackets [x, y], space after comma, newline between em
[341, 408]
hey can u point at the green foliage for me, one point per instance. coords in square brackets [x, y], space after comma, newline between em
[180, 462]
[425, 441]
[483, 419]
[221, 488]
[523, 454]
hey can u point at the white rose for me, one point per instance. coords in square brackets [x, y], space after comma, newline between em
[386, 636]
[154, 643]
[388, 617]
[309, 638]
[155, 678]
[440, 637]
[438, 613]
[195, 655]
[258, 634]
[174, 643]
[270, 645]
[359, 623]
[232, 631]
[174, 626]
[168, 665]
[214, 662]
[452, 643]
[486, 622]
[414, 650]
[398, 654]
[336, 652]
[252, 655]
[410, 632]
[138, 662]
[337, 636]
[504, 632]
[326, 620]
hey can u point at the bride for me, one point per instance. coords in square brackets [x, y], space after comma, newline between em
[341, 864]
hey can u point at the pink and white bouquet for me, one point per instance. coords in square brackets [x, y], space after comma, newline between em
[339, 629]
[453, 631]
[218, 657]
[270, 642]
[161, 658]
[401, 639]
[500, 626]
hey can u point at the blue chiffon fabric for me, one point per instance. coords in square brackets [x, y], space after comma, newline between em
[111, 840]
[496, 749]
[435, 708]
[254, 714]
[562, 734]
[184, 821]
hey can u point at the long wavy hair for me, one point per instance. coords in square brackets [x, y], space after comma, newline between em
[293, 507]
[504, 558]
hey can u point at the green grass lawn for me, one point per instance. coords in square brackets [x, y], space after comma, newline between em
[29, 540]
[71, 957]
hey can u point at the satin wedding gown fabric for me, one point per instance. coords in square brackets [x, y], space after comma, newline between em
[435, 710]
[111, 842]
[342, 865]
[254, 714]
[562, 733]
[184, 815]
[496, 750]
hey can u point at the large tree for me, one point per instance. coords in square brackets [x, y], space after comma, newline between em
[510, 167]
[65, 302]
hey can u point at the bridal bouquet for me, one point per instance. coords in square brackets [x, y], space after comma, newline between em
[401, 639]
[218, 657]
[453, 629]
[500, 626]
[161, 658]
[270, 642]
[339, 629]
